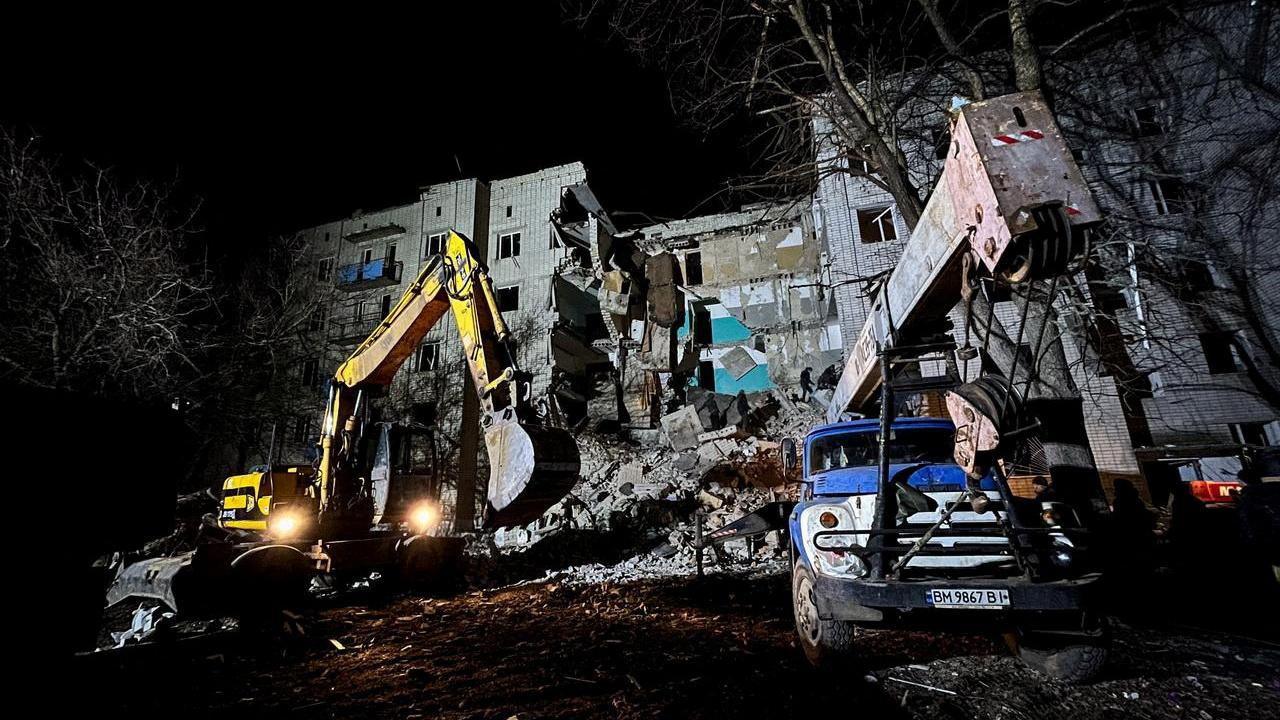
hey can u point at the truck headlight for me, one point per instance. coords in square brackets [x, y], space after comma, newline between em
[841, 557]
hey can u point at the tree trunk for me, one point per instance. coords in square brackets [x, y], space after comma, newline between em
[1026, 60]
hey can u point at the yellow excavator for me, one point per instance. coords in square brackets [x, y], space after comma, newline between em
[287, 523]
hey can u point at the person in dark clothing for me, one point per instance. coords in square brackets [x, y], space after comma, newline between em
[1133, 540]
[1043, 490]
[829, 377]
[806, 383]
[1259, 515]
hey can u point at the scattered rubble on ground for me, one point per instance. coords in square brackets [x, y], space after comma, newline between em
[640, 500]
[720, 647]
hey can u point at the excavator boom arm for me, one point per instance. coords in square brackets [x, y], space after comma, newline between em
[1007, 172]
[532, 466]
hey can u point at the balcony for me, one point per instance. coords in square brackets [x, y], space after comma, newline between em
[367, 275]
[377, 233]
[349, 331]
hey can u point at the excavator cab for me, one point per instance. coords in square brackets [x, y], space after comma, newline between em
[248, 499]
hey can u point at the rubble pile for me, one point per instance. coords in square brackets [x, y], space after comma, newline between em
[634, 514]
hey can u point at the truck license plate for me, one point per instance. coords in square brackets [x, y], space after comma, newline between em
[965, 598]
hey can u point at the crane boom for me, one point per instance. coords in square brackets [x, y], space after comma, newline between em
[1010, 195]
[532, 466]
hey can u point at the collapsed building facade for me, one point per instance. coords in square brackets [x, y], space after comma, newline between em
[728, 304]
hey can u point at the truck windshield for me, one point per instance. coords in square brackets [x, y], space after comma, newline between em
[860, 449]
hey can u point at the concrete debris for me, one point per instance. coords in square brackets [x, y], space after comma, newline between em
[634, 513]
[686, 461]
[666, 301]
[729, 431]
[651, 566]
[738, 362]
[712, 501]
[682, 428]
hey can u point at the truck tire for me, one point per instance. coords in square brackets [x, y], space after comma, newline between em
[1073, 663]
[825, 642]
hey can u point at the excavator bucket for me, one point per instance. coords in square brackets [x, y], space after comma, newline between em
[531, 468]
[162, 578]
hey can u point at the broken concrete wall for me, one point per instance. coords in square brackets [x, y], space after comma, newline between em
[759, 309]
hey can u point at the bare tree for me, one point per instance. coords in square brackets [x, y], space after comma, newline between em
[265, 376]
[880, 75]
[1180, 154]
[98, 295]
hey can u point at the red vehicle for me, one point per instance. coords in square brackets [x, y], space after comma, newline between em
[1213, 492]
[1212, 480]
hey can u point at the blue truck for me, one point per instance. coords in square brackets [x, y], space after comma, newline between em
[925, 547]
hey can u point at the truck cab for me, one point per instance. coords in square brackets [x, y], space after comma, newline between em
[938, 555]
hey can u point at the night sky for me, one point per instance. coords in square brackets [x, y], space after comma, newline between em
[279, 122]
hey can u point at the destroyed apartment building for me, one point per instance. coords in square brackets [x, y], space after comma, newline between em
[364, 263]
[617, 327]
[705, 311]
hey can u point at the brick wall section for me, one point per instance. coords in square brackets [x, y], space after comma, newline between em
[531, 198]
[740, 258]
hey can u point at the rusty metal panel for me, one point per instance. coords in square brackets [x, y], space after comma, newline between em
[1018, 160]
[666, 301]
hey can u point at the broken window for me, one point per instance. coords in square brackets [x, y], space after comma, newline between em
[693, 268]
[427, 357]
[941, 140]
[326, 237]
[435, 245]
[1220, 352]
[386, 305]
[876, 225]
[864, 159]
[301, 429]
[367, 255]
[357, 311]
[706, 375]
[508, 211]
[391, 254]
[508, 245]
[310, 374]
[1197, 277]
[1170, 196]
[1252, 433]
[438, 210]
[1146, 121]
[508, 298]
[701, 325]
[325, 269]
[316, 320]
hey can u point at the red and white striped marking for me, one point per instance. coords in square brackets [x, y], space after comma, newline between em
[1073, 210]
[1014, 139]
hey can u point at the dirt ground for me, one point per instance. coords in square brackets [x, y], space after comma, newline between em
[720, 647]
